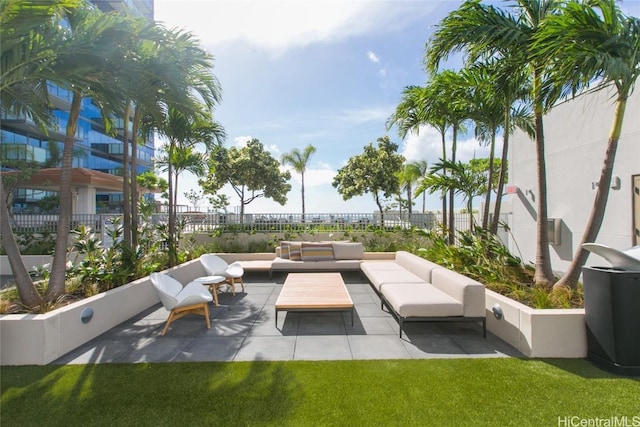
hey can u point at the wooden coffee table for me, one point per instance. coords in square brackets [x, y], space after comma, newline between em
[304, 292]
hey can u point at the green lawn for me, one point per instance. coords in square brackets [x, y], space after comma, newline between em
[457, 392]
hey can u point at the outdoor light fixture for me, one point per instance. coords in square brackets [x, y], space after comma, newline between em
[497, 311]
[86, 315]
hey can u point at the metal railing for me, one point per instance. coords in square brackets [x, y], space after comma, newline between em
[277, 223]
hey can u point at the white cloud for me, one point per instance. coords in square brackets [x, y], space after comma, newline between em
[373, 57]
[321, 174]
[241, 141]
[364, 115]
[427, 145]
[279, 25]
[274, 150]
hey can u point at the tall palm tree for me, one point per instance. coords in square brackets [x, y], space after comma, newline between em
[184, 133]
[420, 106]
[192, 92]
[483, 30]
[461, 179]
[410, 174]
[587, 41]
[31, 42]
[487, 112]
[299, 160]
[101, 35]
[420, 169]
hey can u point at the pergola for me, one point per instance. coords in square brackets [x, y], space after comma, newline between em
[84, 183]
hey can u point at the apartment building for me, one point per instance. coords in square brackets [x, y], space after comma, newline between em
[94, 149]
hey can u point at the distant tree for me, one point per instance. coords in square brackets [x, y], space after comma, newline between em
[461, 178]
[299, 160]
[409, 175]
[194, 197]
[421, 167]
[251, 171]
[373, 171]
[219, 202]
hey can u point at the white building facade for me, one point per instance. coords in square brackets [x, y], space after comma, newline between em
[576, 135]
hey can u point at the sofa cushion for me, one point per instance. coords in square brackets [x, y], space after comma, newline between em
[284, 250]
[295, 251]
[417, 265]
[462, 288]
[420, 300]
[280, 264]
[348, 250]
[381, 277]
[317, 251]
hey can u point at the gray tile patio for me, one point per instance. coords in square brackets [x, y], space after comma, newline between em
[243, 329]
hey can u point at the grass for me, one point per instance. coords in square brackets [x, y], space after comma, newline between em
[460, 392]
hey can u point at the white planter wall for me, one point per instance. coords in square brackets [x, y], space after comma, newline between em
[538, 332]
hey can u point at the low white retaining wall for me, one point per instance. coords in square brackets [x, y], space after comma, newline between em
[38, 339]
[558, 333]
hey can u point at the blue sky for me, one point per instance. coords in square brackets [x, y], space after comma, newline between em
[326, 73]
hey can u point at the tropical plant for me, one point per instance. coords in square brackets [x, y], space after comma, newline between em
[462, 179]
[299, 160]
[588, 41]
[442, 104]
[483, 30]
[29, 40]
[373, 172]
[183, 133]
[408, 176]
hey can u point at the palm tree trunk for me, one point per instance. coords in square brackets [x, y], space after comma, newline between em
[134, 176]
[29, 296]
[303, 207]
[444, 172]
[59, 264]
[452, 226]
[126, 193]
[570, 277]
[173, 257]
[543, 274]
[503, 172]
[487, 199]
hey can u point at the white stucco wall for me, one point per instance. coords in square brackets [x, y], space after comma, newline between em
[576, 134]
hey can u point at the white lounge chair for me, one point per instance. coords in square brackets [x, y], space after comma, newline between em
[179, 300]
[216, 266]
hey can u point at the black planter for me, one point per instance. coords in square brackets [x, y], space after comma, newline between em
[612, 314]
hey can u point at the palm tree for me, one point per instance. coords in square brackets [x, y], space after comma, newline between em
[31, 42]
[420, 169]
[461, 179]
[299, 160]
[101, 35]
[191, 92]
[184, 133]
[486, 31]
[488, 114]
[588, 41]
[443, 105]
[410, 174]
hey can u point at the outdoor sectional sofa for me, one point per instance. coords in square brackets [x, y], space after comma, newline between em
[415, 289]
[317, 256]
[411, 288]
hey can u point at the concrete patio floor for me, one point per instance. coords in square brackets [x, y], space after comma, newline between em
[243, 329]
